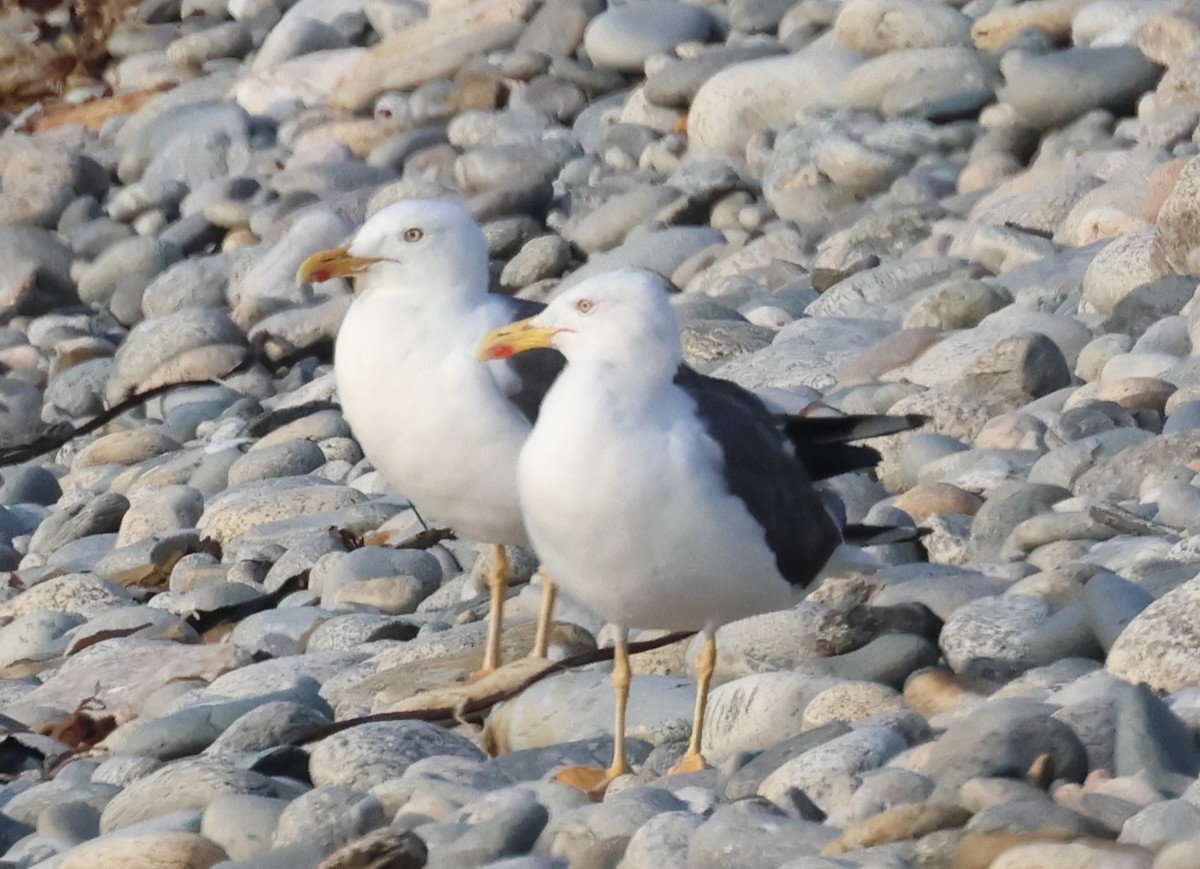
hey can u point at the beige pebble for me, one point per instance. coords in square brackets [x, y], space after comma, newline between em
[1168, 36]
[1001, 25]
[1158, 186]
[1094, 854]
[896, 824]
[930, 692]
[125, 448]
[850, 701]
[898, 349]
[925, 499]
[1131, 392]
[175, 850]
[360, 135]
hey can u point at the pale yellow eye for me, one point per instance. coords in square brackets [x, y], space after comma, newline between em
[413, 234]
[584, 306]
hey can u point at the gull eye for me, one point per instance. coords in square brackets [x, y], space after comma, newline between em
[584, 306]
[413, 234]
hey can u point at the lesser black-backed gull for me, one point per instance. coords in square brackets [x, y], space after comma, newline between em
[662, 498]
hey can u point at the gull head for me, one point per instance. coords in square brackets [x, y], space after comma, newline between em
[622, 318]
[409, 247]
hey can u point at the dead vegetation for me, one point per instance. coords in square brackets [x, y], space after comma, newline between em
[50, 46]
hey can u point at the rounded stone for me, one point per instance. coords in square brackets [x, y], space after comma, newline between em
[390, 580]
[145, 851]
[850, 701]
[993, 629]
[242, 824]
[373, 753]
[330, 816]
[286, 459]
[756, 711]
[623, 37]
[1159, 646]
[187, 784]
[830, 773]
[880, 26]
[138, 257]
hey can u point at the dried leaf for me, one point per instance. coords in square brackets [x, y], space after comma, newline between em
[80, 729]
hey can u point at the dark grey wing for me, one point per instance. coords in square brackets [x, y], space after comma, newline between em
[523, 309]
[535, 370]
[776, 489]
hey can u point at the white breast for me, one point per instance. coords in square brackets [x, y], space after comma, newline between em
[430, 417]
[631, 516]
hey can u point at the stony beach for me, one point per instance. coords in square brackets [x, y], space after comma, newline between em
[985, 212]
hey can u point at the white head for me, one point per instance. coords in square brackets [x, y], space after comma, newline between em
[433, 244]
[621, 319]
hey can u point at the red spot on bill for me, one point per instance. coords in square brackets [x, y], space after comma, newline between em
[500, 351]
[320, 275]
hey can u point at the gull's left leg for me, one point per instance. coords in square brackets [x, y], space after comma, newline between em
[541, 642]
[498, 578]
[593, 780]
[706, 662]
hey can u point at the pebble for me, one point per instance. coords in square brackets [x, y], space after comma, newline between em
[182, 849]
[1106, 78]
[829, 773]
[763, 95]
[757, 711]
[186, 345]
[127, 669]
[499, 824]
[185, 732]
[38, 279]
[969, 749]
[580, 706]
[270, 723]
[373, 753]
[163, 792]
[390, 581]
[624, 37]
[754, 837]
[243, 825]
[330, 817]
[876, 27]
[1154, 649]
[257, 503]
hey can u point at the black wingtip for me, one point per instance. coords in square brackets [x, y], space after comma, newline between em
[825, 444]
[852, 427]
[880, 535]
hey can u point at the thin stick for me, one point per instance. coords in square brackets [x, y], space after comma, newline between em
[43, 445]
[449, 714]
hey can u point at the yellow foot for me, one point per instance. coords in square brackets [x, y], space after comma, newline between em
[592, 780]
[689, 763]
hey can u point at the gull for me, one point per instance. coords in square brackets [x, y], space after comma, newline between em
[440, 428]
[661, 498]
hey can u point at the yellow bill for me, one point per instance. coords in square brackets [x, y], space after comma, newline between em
[513, 339]
[336, 262]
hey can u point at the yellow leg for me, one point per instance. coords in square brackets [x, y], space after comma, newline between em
[621, 676]
[593, 780]
[497, 581]
[541, 642]
[706, 662]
